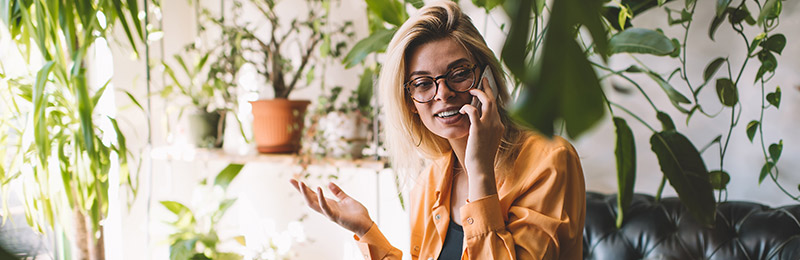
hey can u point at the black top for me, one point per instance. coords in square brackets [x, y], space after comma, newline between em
[453, 242]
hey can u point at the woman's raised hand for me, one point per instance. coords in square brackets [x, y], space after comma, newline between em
[485, 132]
[347, 212]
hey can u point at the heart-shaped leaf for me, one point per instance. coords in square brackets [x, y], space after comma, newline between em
[752, 127]
[774, 98]
[727, 93]
[775, 151]
[719, 179]
[640, 40]
[684, 168]
[775, 43]
[626, 167]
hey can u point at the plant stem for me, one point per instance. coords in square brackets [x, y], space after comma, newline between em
[661, 188]
[629, 80]
[633, 115]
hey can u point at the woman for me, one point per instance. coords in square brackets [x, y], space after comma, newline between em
[491, 190]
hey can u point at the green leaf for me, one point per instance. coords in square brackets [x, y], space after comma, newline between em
[775, 151]
[712, 68]
[675, 97]
[765, 171]
[770, 10]
[756, 42]
[721, 6]
[715, 23]
[684, 168]
[182, 249]
[774, 98]
[133, 99]
[391, 11]
[727, 92]
[626, 167]
[227, 175]
[364, 90]
[487, 5]
[124, 24]
[640, 40]
[752, 127]
[416, 3]
[40, 107]
[567, 88]
[719, 179]
[775, 43]
[375, 43]
[175, 207]
[517, 40]
[666, 121]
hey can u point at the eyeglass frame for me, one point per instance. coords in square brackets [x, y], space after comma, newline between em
[470, 67]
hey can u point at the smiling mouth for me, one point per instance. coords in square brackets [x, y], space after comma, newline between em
[447, 114]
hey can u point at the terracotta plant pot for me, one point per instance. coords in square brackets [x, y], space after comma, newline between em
[278, 124]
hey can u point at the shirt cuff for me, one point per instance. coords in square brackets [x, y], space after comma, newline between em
[482, 216]
[373, 244]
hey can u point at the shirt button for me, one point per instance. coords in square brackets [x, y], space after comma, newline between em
[416, 248]
[437, 217]
[470, 220]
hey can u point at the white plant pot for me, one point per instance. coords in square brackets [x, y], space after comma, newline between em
[345, 134]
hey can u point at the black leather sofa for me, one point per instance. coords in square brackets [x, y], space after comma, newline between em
[666, 230]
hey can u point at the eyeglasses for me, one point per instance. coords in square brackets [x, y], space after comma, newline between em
[424, 88]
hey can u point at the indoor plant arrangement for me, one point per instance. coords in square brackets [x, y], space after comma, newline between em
[278, 122]
[557, 87]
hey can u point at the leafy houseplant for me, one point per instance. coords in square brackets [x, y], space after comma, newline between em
[64, 168]
[206, 118]
[557, 82]
[341, 127]
[195, 235]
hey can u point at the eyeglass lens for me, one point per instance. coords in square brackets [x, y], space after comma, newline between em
[423, 89]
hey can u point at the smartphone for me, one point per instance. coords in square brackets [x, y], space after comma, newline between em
[487, 74]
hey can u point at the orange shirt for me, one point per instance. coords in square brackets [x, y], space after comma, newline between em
[538, 212]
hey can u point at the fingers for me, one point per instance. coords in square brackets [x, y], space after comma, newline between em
[471, 112]
[323, 204]
[309, 196]
[487, 104]
[338, 192]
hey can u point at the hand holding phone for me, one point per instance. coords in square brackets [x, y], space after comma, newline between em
[487, 74]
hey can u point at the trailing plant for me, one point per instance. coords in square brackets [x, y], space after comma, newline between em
[557, 85]
[56, 147]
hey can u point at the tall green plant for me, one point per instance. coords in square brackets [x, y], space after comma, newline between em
[56, 108]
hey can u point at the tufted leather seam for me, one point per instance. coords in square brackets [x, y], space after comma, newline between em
[779, 248]
[796, 221]
[741, 247]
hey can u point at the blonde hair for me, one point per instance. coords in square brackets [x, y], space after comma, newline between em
[408, 141]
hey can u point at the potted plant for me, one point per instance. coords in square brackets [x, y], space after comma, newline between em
[343, 124]
[278, 121]
[206, 108]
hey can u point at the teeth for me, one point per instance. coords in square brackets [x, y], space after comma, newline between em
[447, 113]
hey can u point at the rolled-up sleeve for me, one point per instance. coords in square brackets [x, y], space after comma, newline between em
[545, 220]
[373, 245]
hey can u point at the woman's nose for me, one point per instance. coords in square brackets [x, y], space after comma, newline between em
[443, 92]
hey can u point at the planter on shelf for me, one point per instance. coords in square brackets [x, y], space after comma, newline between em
[205, 128]
[278, 124]
[345, 134]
